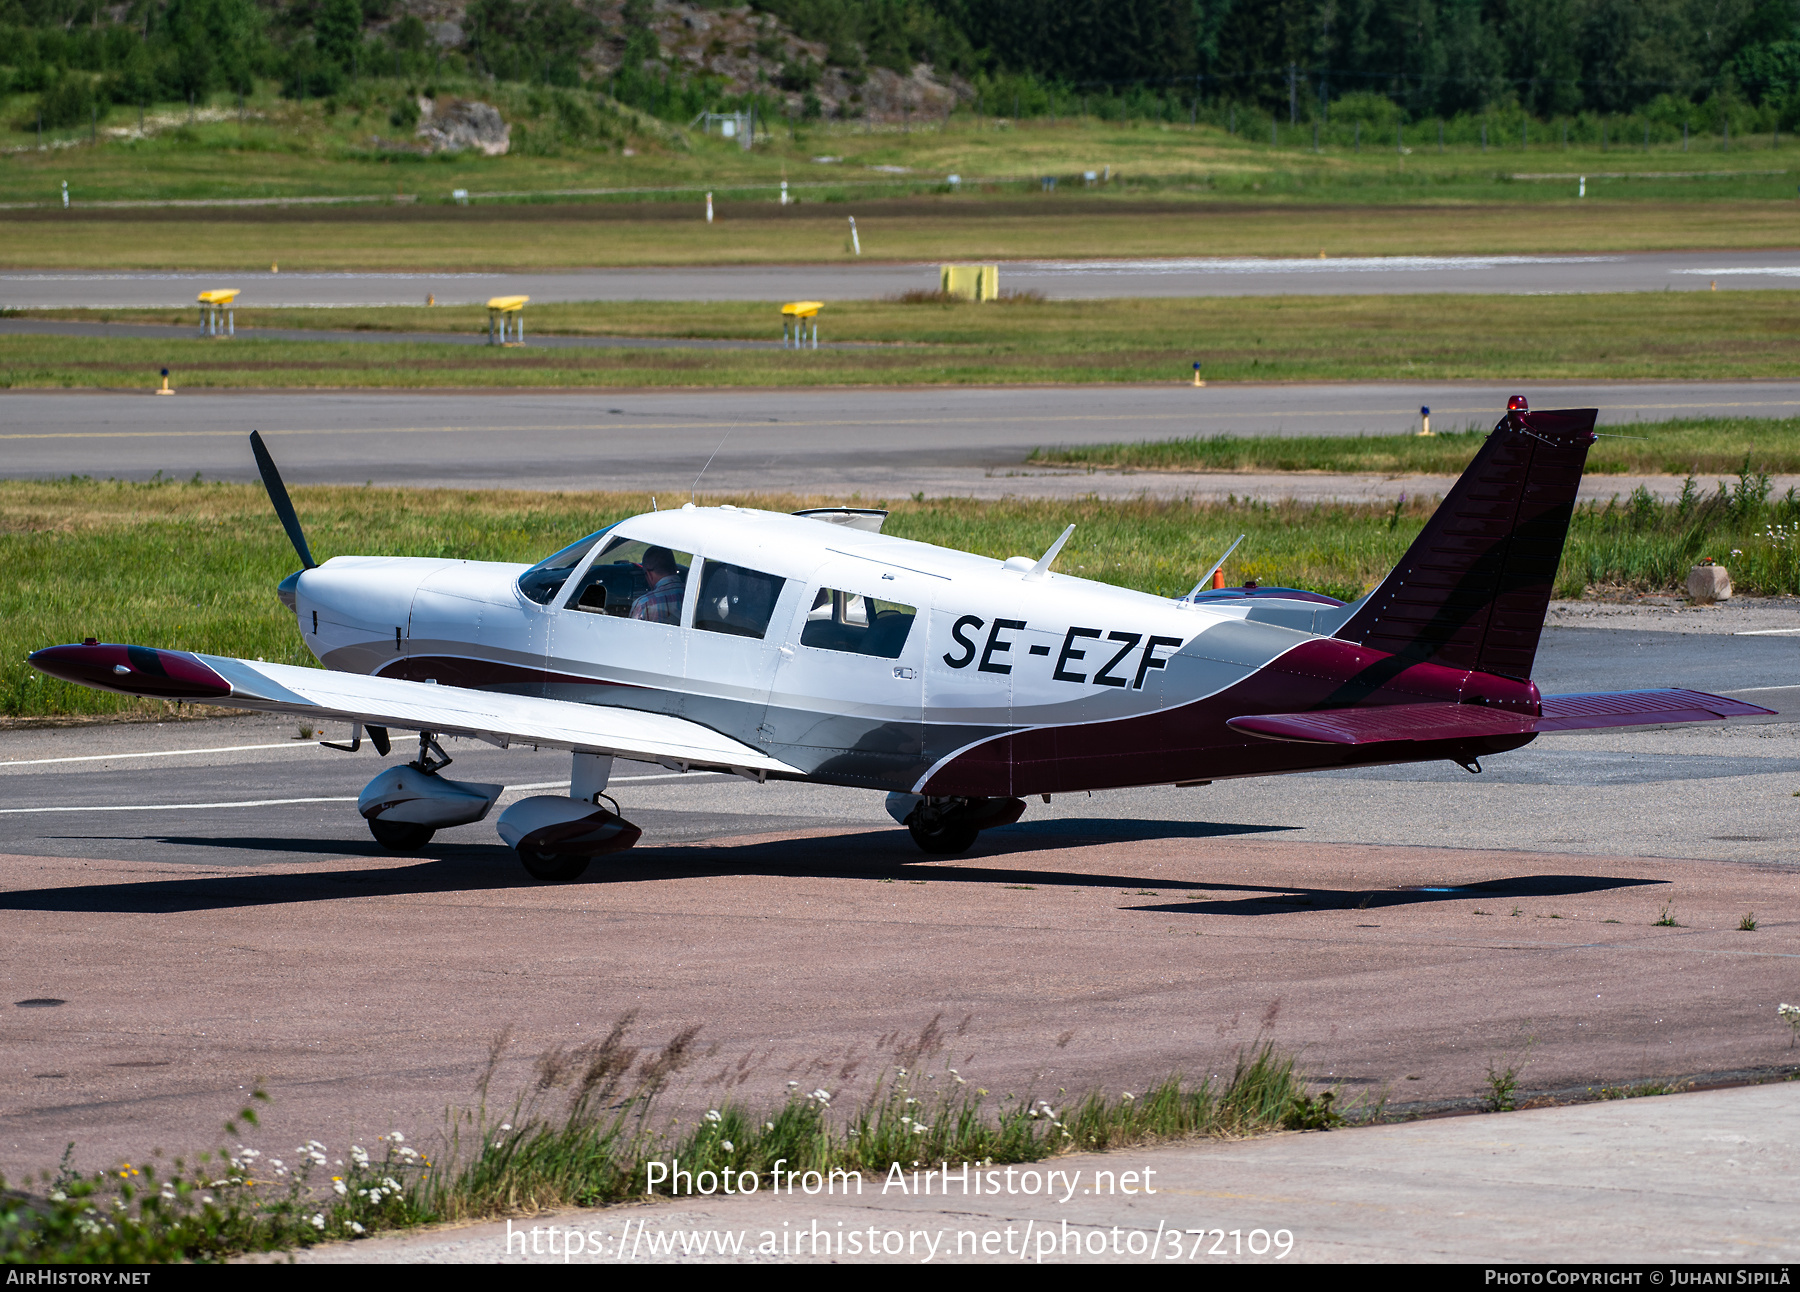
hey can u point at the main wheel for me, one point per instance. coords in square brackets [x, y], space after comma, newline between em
[943, 840]
[400, 836]
[558, 867]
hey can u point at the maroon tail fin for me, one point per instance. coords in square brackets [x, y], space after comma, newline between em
[1472, 590]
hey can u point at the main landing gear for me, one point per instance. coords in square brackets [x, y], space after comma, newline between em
[555, 836]
[947, 826]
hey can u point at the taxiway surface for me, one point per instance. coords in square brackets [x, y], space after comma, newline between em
[201, 921]
[879, 442]
[1058, 279]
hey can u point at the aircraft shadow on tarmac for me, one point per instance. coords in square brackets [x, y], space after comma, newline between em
[1276, 900]
[854, 854]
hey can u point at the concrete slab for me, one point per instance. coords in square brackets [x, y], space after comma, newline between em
[1694, 1178]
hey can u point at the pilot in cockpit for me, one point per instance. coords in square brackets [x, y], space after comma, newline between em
[668, 586]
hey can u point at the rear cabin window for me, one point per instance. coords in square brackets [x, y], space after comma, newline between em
[857, 624]
[735, 600]
[633, 580]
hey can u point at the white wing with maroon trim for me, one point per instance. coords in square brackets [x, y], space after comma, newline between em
[409, 706]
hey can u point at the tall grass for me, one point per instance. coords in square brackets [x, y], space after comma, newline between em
[193, 565]
[1699, 445]
[584, 1134]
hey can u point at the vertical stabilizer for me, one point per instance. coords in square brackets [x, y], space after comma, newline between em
[1472, 590]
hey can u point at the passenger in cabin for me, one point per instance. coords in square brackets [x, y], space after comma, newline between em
[662, 603]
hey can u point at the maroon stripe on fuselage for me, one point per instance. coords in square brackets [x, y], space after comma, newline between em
[1191, 741]
[485, 674]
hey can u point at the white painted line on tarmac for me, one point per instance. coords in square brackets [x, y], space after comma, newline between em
[195, 807]
[169, 807]
[617, 780]
[158, 753]
[1767, 632]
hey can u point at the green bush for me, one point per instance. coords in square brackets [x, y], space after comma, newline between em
[68, 102]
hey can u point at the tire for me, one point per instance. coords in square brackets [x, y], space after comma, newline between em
[944, 840]
[400, 836]
[554, 867]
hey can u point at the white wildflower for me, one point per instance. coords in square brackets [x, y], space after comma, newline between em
[1128, 1096]
[340, 1187]
[318, 1220]
[727, 1145]
[712, 1114]
[357, 1229]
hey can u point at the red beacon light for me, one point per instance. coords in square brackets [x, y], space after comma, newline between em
[1518, 404]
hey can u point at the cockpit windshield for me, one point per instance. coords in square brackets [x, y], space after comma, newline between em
[543, 580]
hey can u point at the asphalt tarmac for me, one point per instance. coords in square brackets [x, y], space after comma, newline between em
[1060, 280]
[881, 443]
[202, 921]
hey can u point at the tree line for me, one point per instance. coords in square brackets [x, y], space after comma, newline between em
[1288, 59]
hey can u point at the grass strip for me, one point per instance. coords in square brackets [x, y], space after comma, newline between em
[926, 229]
[581, 1136]
[1704, 446]
[1615, 337]
[194, 565]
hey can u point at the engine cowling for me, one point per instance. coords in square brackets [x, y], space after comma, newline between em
[549, 823]
[406, 795]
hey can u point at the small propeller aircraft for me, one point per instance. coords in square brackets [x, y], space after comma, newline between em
[813, 647]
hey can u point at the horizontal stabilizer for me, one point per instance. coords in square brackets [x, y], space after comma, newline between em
[1423, 722]
[408, 706]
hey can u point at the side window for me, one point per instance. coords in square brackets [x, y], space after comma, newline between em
[850, 621]
[633, 580]
[735, 600]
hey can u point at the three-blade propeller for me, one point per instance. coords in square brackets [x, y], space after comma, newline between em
[278, 494]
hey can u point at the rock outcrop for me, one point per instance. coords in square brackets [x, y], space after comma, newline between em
[451, 125]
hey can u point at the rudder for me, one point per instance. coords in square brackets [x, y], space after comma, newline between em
[1472, 590]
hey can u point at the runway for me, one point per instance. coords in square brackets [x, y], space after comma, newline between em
[1056, 279]
[883, 443]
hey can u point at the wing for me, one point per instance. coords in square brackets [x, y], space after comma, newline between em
[409, 706]
[1415, 722]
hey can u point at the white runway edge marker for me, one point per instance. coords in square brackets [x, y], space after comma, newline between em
[242, 803]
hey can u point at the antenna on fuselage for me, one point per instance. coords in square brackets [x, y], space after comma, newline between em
[694, 492]
[1042, 568]
[1217, 566]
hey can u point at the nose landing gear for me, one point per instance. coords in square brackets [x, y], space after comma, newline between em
[406, 806]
